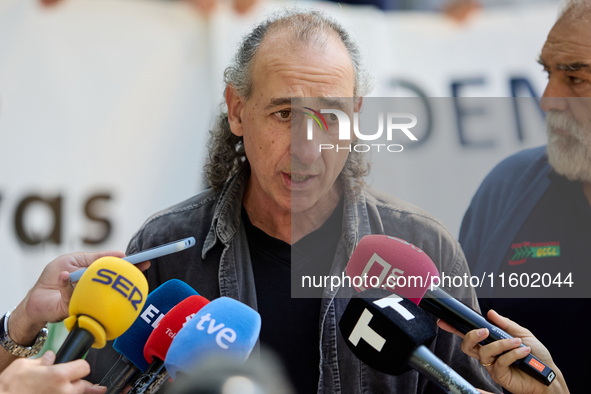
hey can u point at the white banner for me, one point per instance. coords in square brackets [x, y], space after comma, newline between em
[105, 107]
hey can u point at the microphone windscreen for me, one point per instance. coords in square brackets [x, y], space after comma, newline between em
[390, 263]
[160, 339]
[159, 302]
[108, 298]
[263, 375]
[383, 329]
[224, 327]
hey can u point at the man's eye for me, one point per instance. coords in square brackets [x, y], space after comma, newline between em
[284, 114]
[576, 80]
[333, 117]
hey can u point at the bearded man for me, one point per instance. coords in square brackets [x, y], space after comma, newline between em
[531, 217]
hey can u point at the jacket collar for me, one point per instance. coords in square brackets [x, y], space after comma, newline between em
[226, 218]
[227, 215]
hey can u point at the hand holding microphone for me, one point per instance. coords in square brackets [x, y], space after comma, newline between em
[39, 376]
[104, 304]
[48, 299]
[389, 258]
[497, 357]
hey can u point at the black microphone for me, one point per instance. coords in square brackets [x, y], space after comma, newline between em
[391, 334]
[415, 273]
[463, 318]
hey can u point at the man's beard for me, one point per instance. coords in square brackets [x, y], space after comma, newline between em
[569, 155]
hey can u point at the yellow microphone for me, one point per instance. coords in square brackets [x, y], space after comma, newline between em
[107, 300]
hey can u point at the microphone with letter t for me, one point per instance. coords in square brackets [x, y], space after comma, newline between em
[159, 342]
[223, 328]
[390, 334]
[106, 301]
[392, 259]
[131, 344]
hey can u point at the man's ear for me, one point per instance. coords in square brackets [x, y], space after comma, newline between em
[235, 104]
[358, 104]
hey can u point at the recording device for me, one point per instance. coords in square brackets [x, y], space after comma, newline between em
[224, 327]
[148, 254]
[108, 298]
[390, 257]
[159, 342]
[391, 334]
[131, 343]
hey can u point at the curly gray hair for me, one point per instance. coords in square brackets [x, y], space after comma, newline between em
[571, 10]
[226, 150]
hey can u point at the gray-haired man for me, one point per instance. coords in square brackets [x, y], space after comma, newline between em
[275, 200]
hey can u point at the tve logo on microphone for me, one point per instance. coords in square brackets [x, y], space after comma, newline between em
[223, 328]
[224, 334]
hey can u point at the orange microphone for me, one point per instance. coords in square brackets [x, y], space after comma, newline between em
[107, 300]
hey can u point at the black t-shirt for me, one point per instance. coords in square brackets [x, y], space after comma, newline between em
[290, 326]
[555, 239]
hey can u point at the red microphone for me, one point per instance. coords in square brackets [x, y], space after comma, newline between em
[381, 261]
[159, 342]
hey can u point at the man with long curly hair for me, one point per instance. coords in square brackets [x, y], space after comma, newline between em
[278, 207]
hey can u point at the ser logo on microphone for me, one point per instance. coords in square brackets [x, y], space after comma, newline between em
[121, 284]
[223, 333]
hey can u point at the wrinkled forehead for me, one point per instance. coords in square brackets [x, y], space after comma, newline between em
[569, 41]
[316, 68]
[345, 104]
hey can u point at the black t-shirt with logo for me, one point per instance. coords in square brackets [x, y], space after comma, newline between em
[290, 326]
[553, 245]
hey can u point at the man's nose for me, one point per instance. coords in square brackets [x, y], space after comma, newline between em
[555, 96]
[304, 150]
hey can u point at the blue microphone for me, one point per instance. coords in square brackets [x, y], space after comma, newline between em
[223, 328]
[131, 344]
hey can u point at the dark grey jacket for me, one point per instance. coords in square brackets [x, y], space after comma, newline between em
[219, 265]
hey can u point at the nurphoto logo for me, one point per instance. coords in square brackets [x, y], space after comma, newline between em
[395, 121]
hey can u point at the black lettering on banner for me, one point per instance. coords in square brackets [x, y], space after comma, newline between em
[519, 84]
[462, 113]
[54, 205]
[427, 120]
[93, 212]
